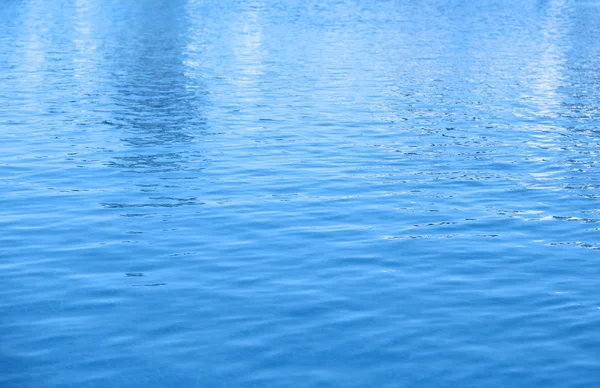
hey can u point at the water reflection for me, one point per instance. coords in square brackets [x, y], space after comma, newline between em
[156, 102]
[247, 48]
[581, 92]
[548, 72]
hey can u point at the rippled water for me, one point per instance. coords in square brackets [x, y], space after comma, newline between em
[299, 193]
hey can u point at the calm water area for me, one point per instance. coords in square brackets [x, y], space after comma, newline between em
[286, 193]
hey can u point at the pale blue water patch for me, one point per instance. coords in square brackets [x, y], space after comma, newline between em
[299, 193]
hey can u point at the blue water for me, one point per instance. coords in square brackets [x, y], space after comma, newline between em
[286, 193]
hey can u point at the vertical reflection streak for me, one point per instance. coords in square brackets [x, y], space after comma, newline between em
[548, 73]
[158, 104]
[247, 48]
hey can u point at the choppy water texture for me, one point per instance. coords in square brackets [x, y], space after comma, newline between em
[299, 193]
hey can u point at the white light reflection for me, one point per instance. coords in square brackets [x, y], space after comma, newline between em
[247, 39]
[548, 72]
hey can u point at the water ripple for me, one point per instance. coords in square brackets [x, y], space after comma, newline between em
[330, 193]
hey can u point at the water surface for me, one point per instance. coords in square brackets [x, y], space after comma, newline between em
[299, 193]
